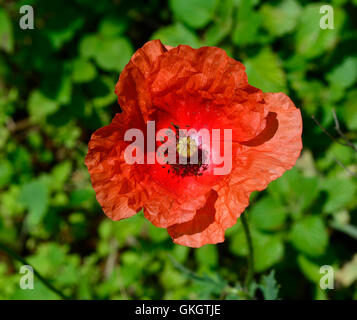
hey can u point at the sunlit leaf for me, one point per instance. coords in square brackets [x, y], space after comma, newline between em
[311, 40]
[269, 286]
[83, 71]
[40, 106]
[282, 18]
[194, 13]
[340, 192]
[247, 25]
[35, 196]
[175, 35]
[268, 214]
[310, 236]
[6, 32]
[265, 71]
[345, 74]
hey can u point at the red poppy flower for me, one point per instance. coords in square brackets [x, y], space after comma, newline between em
[194, 88]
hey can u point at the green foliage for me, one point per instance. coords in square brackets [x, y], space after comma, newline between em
[345, 74]
[195, 13]
[309, 236]
[269, 286]
[6, 32]
[265, 72]
[312, 41]
[39, 106]
[34, 196]
[282, 18]
[57, 86]
[177, 34]
[268, 214]
[247, 24]
[268, 248]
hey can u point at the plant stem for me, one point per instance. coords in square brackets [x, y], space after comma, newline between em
[249, 276]
[14, 255]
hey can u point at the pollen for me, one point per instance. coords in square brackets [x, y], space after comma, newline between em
[186, 147]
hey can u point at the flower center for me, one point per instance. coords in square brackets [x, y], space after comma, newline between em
[186, 147]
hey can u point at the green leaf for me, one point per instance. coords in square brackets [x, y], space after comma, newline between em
[268, 249]
[83, 71]
[310, 236]
[345, 74]
[311, 40]
[297, 196]
[60, 174]
[132, 265]
[177, 34]
[222, 25]
[265, 71]
[89, 45]
[310, 269]
[40, 292]
[128, 228]
[248, 23]
[349, 110]
[6, 32]
[269, 286]
[194, 13]
[60, 34]
[207, 256]
[170, 278]
[6, 172]
[112, 26]
[64, 90]
[157, 234]
[209, 284]
[35, 196]
[80, 196]
[282, 18]
[39, 106]
[268, 214]
[113, 54]
[337, 151]
[180, 253]
[340, 192]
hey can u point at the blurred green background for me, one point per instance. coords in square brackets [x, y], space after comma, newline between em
[57, 86]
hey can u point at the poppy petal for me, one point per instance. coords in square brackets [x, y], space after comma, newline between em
[131, 88]
[258, 166]
[276, 150]
[112, 178]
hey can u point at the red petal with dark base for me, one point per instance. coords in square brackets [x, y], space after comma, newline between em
[199, 89]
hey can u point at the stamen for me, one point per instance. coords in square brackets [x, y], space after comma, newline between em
[187, 147]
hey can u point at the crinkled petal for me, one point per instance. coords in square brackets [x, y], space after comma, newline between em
[275, 150]
[261, 161]
[157, 77]
[112, 178]
[199, 88]
[210, 222]
[164, 211]
[132, 89]
[218, 82]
